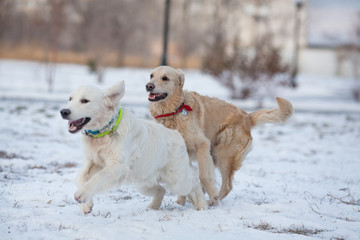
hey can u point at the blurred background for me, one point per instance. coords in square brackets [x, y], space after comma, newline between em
[247, 43]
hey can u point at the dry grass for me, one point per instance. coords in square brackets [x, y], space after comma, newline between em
[262, 226]
[68, 165]
[293, 229]
[37, 53]
[6, 155]
[301, 230]
[41, 54]
[37, 167]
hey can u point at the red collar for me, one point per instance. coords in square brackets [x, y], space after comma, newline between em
[182, 107]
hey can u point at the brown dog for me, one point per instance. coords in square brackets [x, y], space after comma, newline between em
[215, 132]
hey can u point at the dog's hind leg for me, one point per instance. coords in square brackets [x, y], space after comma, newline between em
[224, 159]
[226, 177]
[229, 156]
[157, 192]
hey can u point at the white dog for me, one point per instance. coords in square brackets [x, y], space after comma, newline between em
[120, 147]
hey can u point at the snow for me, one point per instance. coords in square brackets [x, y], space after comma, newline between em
[300, 181]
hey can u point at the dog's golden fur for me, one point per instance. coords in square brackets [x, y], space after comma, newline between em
[216, 132]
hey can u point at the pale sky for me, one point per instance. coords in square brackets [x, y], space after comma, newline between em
[332, 22]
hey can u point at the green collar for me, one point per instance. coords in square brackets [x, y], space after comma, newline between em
[100, 133]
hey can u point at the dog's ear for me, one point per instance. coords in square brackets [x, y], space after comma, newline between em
[181, 77]
[113, 94]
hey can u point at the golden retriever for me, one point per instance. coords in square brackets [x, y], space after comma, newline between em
[215, 132]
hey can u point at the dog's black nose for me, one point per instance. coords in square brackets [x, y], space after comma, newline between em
[65, 113]
[150, 87]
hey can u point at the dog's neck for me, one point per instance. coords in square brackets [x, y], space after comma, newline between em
[168, 105]
[108, 129]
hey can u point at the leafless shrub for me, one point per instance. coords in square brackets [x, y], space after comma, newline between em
[349, 53]
[247, 69]
[247, 73]
[347, 199]
[263, 226]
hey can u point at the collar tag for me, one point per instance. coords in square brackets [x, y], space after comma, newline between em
[184, 112]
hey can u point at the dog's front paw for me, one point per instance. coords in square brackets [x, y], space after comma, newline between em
[181, 200]
[86, 207]
[214, 201]
[201, 206]
[82, 196]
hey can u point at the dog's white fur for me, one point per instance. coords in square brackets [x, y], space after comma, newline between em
[142, 152]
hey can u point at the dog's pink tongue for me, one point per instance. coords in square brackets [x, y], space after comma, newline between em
[72, 125]
[152, 96]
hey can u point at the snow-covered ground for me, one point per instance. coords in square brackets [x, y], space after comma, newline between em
[300, 181]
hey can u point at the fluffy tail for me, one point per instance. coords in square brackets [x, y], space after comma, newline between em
[276, 115]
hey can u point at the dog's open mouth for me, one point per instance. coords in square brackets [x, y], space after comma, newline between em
[153, 97]
[77, 125]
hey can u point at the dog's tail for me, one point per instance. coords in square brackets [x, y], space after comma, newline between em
[276, 115]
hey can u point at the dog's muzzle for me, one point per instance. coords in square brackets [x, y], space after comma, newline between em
[154, 97]
[74, 125]
[65, 113]
[150, 87]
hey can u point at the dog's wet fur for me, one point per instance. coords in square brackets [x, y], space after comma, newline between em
[216, 133]
[144, 153]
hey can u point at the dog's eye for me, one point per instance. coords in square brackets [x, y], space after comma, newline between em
[84, 101]
[70, 98]
[151, 75]
[165, 78]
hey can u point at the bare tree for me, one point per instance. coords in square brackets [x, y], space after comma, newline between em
[93, 33]
[356, 58]
[112, 32]
[187, 30]
[55, 27]
[111, 26]
[6, 9]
